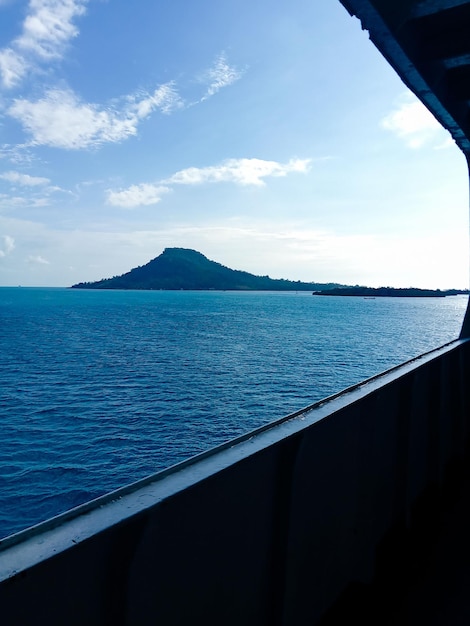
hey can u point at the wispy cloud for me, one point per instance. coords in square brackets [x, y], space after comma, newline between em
[24, 179]
[19, 154]
[12, 67]
[46, 30]
[61, 120]
[412, 122]
[37, 260]
[137, 195]
[36, 191]
[220, 75]
[238, 171]
[21, 202]
[165, 98]
[241, 171]
[49, 26]
[8, 243]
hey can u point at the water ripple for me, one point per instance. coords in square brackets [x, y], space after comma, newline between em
[99, 389]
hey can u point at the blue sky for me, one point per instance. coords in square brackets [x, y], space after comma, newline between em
[270, 136]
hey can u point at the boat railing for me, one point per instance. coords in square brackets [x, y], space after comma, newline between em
[271, 528]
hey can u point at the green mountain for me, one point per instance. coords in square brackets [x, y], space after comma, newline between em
[180, 268]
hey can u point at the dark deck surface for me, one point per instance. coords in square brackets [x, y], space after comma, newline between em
[437, 592]
[425, 575]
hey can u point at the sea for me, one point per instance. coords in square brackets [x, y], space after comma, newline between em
[101, 388]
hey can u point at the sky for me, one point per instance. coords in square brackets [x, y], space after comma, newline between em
[272, 137]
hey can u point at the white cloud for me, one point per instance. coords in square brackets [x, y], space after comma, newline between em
[7, 246]
[241, 171]
[60, 120]
[413, 122]
[137, 195]
[12, 67]
[47, 28]
[19, 154]
[19, 202]
[36, 191]
[220, 75]
[165, 98]
[24, 179]
[37, 260]
[9, 202]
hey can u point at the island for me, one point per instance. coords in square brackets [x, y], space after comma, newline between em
[182, 268]
[186, 269]
[390, 292]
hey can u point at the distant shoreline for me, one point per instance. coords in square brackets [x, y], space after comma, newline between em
[391, 292]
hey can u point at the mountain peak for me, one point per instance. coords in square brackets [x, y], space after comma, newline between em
[183, 268]
[180, 252]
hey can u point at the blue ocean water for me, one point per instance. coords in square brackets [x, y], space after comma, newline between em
[101, 388]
